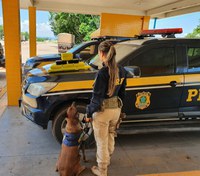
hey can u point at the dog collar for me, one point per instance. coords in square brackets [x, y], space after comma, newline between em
[71, 139]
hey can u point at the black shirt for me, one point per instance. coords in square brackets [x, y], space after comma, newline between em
[100, 89]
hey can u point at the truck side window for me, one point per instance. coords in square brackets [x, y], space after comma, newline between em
[193, 54]
[156, 61]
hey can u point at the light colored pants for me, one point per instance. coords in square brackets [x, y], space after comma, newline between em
[104, 125]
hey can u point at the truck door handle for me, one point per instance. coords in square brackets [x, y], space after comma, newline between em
[173, 83]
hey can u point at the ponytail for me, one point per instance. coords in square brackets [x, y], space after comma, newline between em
[113, 71]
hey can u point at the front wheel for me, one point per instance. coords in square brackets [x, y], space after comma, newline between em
[59, 123]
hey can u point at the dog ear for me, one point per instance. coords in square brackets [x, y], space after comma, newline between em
[73, 104]
[67, 111]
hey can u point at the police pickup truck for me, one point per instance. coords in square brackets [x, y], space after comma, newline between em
[163, 87]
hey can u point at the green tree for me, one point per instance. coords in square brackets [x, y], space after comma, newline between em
[195, 33]
[41, 39]
[77, 24]
[26, 35]
[1, 32]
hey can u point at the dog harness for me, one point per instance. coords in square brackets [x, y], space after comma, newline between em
[71, 139]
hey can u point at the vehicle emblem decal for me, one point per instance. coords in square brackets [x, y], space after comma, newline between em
[142, 100]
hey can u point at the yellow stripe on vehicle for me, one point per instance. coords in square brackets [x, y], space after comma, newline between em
[88, 84]
[157, 80]
[73, 85]
[191, 78]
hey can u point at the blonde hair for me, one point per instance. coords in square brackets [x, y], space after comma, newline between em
[108, 49]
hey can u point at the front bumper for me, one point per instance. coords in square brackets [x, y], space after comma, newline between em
[35, 115]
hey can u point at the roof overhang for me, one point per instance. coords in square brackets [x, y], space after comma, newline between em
[153, 8]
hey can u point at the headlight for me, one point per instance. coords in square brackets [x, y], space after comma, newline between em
[37, 89]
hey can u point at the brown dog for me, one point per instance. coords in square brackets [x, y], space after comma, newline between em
[68, 163]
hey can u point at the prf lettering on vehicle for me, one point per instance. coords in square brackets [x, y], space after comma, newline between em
[193, 93]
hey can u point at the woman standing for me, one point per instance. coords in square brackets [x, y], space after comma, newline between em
[105, 106]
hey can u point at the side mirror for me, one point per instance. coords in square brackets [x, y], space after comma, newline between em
[133, 71]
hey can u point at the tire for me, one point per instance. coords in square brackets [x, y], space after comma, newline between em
[59, 123]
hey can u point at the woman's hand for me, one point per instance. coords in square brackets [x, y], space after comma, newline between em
[87, 119]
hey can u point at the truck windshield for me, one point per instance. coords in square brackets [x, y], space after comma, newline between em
[122, 50]
[79, 47]
[75, 48]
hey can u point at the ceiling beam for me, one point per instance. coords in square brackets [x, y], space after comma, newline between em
[183, 11]
[32, 2]
[172, 7]
[26, 4]
[83, 9]
[177, 8]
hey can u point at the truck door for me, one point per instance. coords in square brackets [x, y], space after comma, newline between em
[190, 103]
[157, 93]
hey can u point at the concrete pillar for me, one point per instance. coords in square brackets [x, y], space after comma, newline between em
[32, 31]
[11, 24]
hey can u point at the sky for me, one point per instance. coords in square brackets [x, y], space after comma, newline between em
[188, 22]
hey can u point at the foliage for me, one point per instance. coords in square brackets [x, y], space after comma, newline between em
[26, 35]
[77, 24]
[42, 39]
[195, 33]
[1, 32]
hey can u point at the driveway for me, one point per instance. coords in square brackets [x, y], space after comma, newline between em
[28, 150]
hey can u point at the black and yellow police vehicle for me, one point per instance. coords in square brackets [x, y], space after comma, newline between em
[163, 86]
[84, 51]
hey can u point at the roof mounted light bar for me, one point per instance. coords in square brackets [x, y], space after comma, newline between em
[162, 31]
[169, 32]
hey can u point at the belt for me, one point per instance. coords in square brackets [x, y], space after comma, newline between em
[112, 103]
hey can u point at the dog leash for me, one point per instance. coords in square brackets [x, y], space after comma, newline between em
[87, 130]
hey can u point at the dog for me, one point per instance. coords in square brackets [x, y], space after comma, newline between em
[68, 163]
